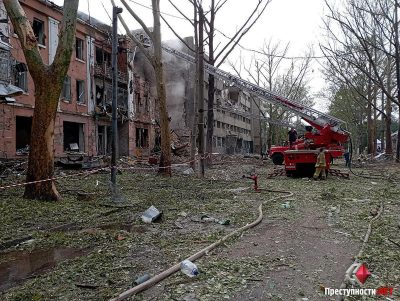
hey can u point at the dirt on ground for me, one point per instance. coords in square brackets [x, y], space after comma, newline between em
[93, 244]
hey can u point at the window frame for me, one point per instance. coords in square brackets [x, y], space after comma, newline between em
[18, 76]
[41, 37]
[62, 96]
[80, 85]
[79, 45]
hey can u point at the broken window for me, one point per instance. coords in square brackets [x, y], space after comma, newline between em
[99, 56]
[142, 137]
[103, 57]
[21, 76]
[122, 98]
[73, 136]
[233, 95]
[66, 90]
[103, 140]
[38, 29]
[79, 48]
[80, 91]
[23, 134]
[99, 95]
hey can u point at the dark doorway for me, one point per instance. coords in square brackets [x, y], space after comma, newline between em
[23, 132]
[142, 137]
[73, 137]
[103, 140]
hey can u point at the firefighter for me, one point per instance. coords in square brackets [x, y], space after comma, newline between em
[292, 137]
[320, 165]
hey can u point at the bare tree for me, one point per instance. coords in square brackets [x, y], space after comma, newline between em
[271, 70]
[366, 44]
[218, 57]
[154, 56]
[48, 80]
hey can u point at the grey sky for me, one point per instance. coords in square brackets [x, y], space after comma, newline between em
[295, 21]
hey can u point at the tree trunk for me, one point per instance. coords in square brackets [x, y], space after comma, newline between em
[370, 123]
[193, 136]
[41, 154]
[269, 136]
[398, 142]
[211, 88]
[165, 158]
[210, 118]
[397, 61]
[388, 125]
[48, 82]
[200, 90]
[374, 124]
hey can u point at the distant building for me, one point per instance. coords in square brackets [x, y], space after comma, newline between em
[236, 122]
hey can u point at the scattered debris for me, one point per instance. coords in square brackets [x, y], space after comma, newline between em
[188, 171]
[85, 196]
[120, 237]
[206, 218]
[150, 215]
[141, 279]
[286, 205]
[87, 285]
[189, 268]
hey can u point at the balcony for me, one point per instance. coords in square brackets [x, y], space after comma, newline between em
[106, 71]
[5, 65]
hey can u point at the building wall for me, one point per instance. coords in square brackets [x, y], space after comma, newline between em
[81, 69]
[236, 126]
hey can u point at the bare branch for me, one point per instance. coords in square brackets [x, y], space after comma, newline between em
[240, 33]
[138, 19]
[66, 41]
[179, 11]
[176, 34]
[137, 42]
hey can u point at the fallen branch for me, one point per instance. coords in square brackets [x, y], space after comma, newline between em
[394, 242]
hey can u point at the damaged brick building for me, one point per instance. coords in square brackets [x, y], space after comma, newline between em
[237, 127]
[83, 121]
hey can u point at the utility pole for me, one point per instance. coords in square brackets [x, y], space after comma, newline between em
[114, 126]
[200, 100]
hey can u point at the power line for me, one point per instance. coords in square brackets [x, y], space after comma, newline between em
[162, 13]
[268, 54]
[241, 46]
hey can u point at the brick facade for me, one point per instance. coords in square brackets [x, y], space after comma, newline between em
[84, 111]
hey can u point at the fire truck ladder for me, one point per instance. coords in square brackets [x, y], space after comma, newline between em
[308, 114]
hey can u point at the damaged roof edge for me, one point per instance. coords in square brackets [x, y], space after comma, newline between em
[81, 16]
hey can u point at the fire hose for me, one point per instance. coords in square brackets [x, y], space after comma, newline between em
[175, 268]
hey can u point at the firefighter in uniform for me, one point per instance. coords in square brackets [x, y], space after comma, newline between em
[320, 165]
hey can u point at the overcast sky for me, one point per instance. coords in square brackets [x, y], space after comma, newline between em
[296, 21]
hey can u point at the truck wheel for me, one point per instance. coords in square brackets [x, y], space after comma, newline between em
[277, 158]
